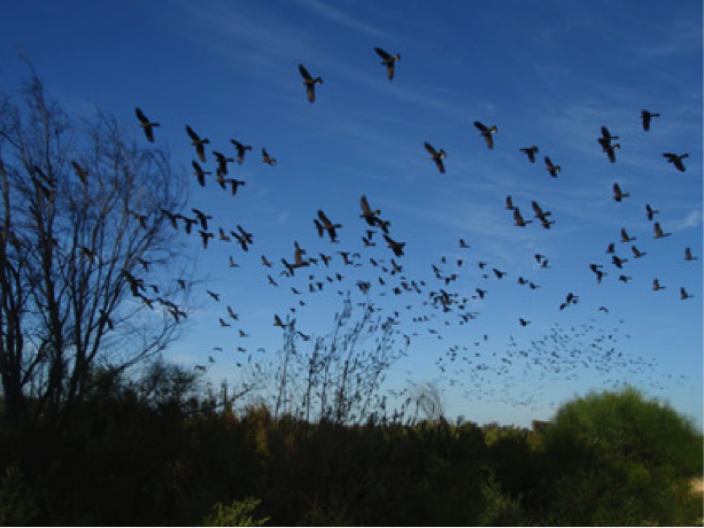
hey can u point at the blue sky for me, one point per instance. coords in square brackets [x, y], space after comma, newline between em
[546, 73]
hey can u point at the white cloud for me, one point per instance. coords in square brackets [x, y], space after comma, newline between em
[693, 219]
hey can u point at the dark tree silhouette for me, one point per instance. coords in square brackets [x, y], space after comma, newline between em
[82, 241]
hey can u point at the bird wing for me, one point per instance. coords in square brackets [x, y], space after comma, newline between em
[324, 219]
[430, 149]
[365, 206]
[481, 126]
[304, 73]
[382, 54]
[141, 116]
[440, 164]
[390, 69]
[195, 137]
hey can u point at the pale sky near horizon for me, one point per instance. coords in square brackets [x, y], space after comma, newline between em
[548, 73]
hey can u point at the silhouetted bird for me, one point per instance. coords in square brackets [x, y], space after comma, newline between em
[619, 194]
[326, 225]
[309, 82]
[646, 117]
[200, 173]
[396, 247]
[531, 152]
[659, 233]
[650, 211]
[147, 125]
[551, 167]
[436, 156]
[267, 159]
[684, 295]
[198, 143]
[487, 133]
[241, 149]
[676, 160]
[388, 61]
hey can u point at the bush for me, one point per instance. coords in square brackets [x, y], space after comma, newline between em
[239, 513]
[618, 458]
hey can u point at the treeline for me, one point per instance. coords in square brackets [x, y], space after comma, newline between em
[155, 452]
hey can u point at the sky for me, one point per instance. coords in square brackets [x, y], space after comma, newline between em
[546, 73]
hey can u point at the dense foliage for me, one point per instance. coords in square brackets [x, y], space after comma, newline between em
[154, 452]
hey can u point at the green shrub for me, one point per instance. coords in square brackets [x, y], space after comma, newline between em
[617, 458]
[239, 513]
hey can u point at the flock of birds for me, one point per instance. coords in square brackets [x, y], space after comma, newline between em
[435, 297]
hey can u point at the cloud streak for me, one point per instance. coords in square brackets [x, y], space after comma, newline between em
[340, 17]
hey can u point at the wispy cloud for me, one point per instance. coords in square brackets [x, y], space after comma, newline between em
[693, 219]
[680, 36]
[326, 10]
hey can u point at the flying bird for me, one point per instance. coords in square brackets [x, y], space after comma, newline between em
[202, 218]
[551, 167]
[370, 216]
[309, 82]
[222, 162]
[531, 152]
[684, 295]
[198, 143]
[396, 247]
[539, 213]
[625, 238]
[388, 61]
[267, 159]
[659, 233]
[618, 262]
[200, 173]
[487, 133]
[146, 124]
[676, 160]
[241, 149]
[637, 253]
[214, 295]
[606, 138]
[688, 255]
[619, 194]
[326, 225]
[651, 212]
[436, 156]
[646, 117]
[205, 236]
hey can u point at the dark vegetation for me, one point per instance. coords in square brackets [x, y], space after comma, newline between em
[85, 439]
[154, 452]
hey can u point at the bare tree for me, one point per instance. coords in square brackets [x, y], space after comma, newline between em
[82, 236]
[338, 377]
